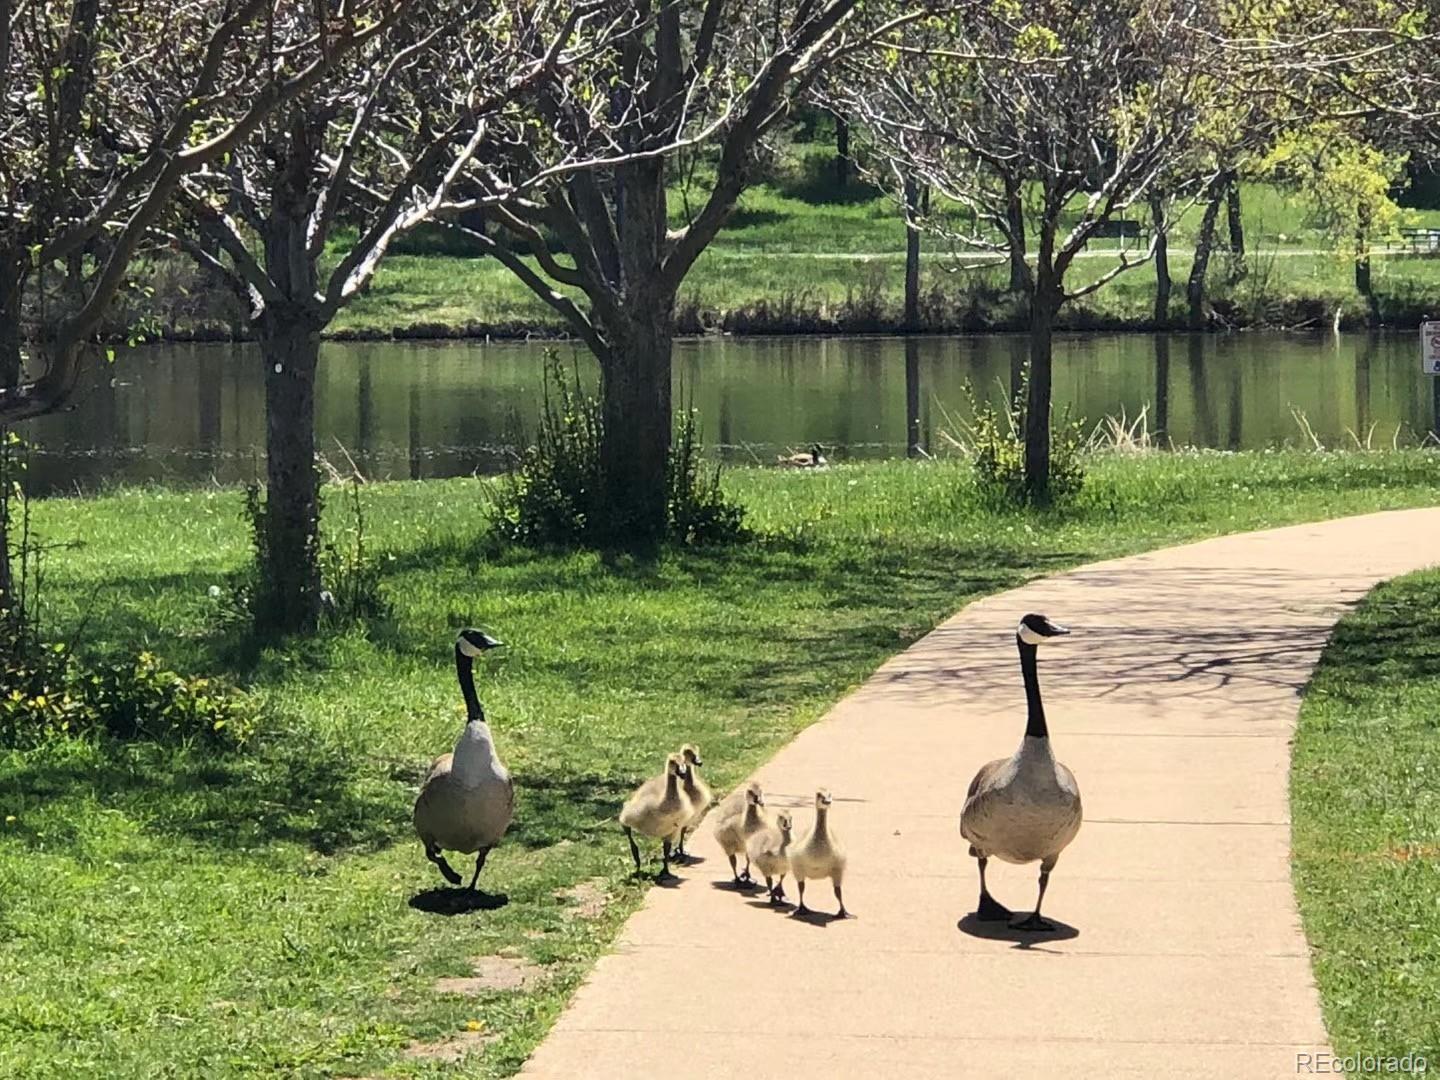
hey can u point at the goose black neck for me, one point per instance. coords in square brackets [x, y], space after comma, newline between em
[1035, 720]
[465, 671]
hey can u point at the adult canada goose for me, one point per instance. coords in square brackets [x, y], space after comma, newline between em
[467, 799]
[813, 458]
[769, 850]
[819, 855]
[697, 791]
[738, 818]
[657, 809]
[1024, 808]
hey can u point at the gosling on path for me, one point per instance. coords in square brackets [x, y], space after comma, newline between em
[769, 851]
[819, 855]
[740, 816]
[468, 798]
[1024, 808]
[657, 809]
[697, 791]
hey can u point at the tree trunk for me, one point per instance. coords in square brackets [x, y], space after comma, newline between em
[290, 565]
[842, 152]
[11, 289]
[1015, 219]
[1044, 306]
[1163, 283]
[912, 256]
[1204, 246]
[635, 445]
[1235, 218]
[1364, 285]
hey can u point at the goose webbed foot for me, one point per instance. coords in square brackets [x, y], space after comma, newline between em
[446, 871]
[1033, 922]
[991, 910]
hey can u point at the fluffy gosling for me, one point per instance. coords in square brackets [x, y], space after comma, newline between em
[656, 810]
[738, 818]
[697, 791]
[769, 850]
[819, 855]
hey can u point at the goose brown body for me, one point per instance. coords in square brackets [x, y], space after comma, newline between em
[1025, 808]
[467, 799]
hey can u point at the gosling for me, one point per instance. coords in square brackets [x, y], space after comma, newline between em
[657, 809]
[738, 818]
[819, 855]
[697, 791]
[769, 850]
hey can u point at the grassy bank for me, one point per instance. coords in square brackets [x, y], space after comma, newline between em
[1367, 823]
[786, 264]
[164, 913]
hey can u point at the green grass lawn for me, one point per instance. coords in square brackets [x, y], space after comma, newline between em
[166, 912]
[1365, 793]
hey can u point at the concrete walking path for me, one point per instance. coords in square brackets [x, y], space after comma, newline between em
[1179, 951]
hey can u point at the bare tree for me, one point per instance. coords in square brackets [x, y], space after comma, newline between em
[107, 106]
[104, 107]
[380, 147]
[693, 77]
[1052, 118]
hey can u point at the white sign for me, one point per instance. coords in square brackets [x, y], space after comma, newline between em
[1430, 347]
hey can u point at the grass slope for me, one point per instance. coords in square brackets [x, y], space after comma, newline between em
[1366, 809]
[165, 913]
[785, 264]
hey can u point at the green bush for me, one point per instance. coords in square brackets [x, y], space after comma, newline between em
[555, 497]
[49, 692]
[995, 441]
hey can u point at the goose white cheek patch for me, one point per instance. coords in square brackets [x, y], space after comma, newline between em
[1030, 637]
[466, 648]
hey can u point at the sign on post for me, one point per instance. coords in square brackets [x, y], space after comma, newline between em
[1430, 348]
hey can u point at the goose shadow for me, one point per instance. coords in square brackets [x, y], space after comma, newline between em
[748, 888]
[448, 902]
[783, 907]
[1021, 939]
[822, 919]
[659, 879]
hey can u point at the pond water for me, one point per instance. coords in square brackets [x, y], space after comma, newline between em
[184, 414]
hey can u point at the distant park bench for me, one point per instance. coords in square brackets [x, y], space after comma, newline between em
[1418, 240]
[1119, 230]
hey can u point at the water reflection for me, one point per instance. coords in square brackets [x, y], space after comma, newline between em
[190, 413]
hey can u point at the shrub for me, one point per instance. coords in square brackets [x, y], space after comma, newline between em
[51, 693]
[555, 496]
[995, 443]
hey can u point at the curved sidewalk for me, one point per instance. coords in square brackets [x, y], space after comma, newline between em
[1174, 703]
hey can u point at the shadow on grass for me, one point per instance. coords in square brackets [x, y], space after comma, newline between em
[450, 902]
[279, 792]
[578, 808]
[1392, 639]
